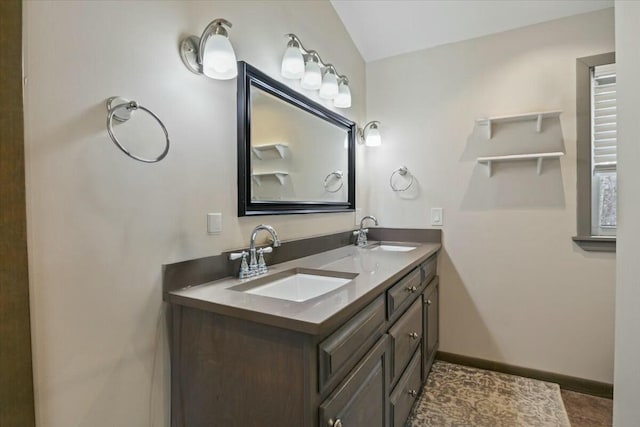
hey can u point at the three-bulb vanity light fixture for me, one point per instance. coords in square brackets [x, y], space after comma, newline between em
[315, 74]
[212, 53]
[369, 135]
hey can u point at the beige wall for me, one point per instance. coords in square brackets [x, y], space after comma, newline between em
[626, 411]
[100, 224]
[515, 289]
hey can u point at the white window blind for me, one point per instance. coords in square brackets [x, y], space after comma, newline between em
[604, 117]
[604, 150]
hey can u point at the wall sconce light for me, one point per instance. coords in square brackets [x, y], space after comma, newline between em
[212, 53]
[312, 78]
[293, 61]
[343, 99]
[369, 135]
[329, 88]
[301, 63]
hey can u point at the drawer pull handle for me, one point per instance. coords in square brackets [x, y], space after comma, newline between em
[413, 393]
[336, 423]
[428, 302]
[411, 289]
[414, 335]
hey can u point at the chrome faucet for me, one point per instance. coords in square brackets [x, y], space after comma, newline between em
[256, 265]
[362, 232]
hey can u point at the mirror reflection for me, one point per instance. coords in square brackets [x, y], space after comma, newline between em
[295, 156]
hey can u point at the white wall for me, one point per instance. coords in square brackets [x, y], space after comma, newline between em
[100, 224]
[515, 288]
[626, 411]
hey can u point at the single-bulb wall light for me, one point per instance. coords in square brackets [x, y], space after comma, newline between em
[329, 87]
[301, 63]
[343, 99]
[212, 53]
[369, 135]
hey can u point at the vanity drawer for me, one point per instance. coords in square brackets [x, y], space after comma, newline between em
[405, 334]
[343, 349]
[406, 392]
[429, 269]
[403, 291]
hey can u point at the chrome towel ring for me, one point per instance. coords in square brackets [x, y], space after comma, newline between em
[402, 171]
[337, 175]
[121, 110]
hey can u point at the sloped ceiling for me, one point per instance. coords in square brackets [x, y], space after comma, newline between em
[383, 28]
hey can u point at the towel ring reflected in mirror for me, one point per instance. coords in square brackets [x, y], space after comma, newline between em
[337, 176]
[121, 110]
[403, 172]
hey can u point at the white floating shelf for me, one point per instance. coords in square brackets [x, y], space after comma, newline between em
[258, 149]
[278, 174]
[518, 157]
[537, 116]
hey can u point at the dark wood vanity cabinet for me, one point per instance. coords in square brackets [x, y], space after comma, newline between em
[362, 398]
[368, 372]
[431, 304]
[406, 392]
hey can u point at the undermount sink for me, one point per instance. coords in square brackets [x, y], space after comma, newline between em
[297, 285]
[391, 247]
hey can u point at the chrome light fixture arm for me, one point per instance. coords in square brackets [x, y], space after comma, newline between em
[307, 54]
[215, 27]
[374, 124]
[192, 47]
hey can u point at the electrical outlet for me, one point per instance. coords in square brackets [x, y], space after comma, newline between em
[214, 223]
[436, 216]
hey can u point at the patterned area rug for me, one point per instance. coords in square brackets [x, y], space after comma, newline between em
[460, 396]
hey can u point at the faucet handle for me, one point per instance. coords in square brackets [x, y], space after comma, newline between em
[237, 255]
[244, 267]
[262, 265]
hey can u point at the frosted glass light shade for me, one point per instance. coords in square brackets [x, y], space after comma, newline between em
[343, 99]
[312, 78]
[329, 88]
[373, 138]
[219, 59]
[292, 63]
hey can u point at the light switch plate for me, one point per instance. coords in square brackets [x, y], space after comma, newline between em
[436, 216]
[214, 223]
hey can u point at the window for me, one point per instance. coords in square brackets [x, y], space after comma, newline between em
[603, 150]
[596, 152]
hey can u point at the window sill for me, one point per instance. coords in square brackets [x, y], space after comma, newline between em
[596, 243]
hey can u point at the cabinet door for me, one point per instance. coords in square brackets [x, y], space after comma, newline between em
[361, 399]
[405, 336]
[430, 299]
[406, 392]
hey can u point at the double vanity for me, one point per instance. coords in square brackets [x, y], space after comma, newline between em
[339, 331]
[344, 336]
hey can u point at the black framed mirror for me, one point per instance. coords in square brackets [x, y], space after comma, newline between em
[294, 155]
